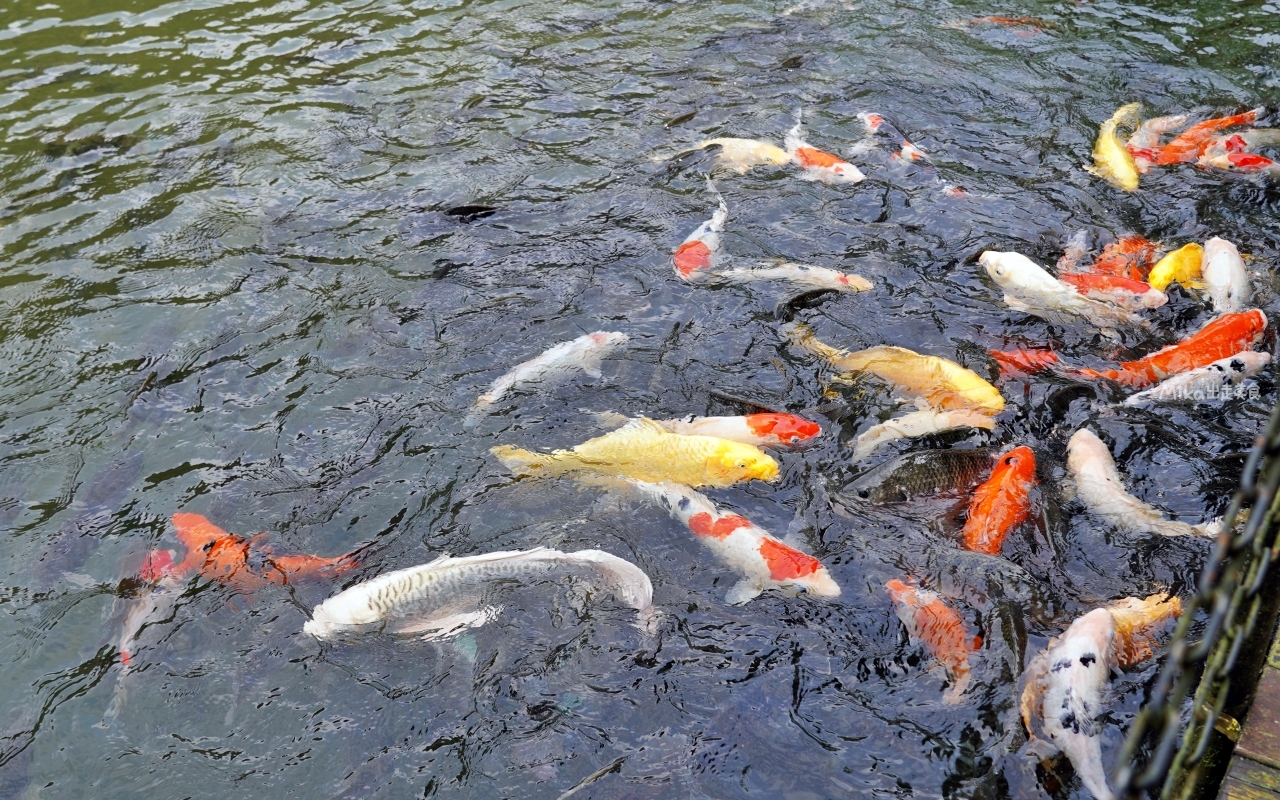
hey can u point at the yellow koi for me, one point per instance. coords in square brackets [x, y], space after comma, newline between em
[940, 383]
[1182, 265]
[644, 451]
[1112, 161]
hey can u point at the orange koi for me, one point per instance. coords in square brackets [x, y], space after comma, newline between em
[1130, 257]
[1001, 503]
[1016, 363]
[1225, 336]
[931, 621]
[1188, 145]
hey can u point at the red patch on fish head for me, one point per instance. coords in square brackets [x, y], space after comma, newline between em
[125, 658]
[900, 592]
[786, 563]
[691, 257]
[785, 428]
[874, 121]
[156, 565]
[812, 157]
[1249, 161]
[1235, 143]
[703, 524]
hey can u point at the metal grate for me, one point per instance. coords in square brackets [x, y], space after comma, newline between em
[1235, 594]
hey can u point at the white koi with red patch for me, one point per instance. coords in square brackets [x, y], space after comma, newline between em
[1145, 141]
[764, 561]
[697, 255]
[761, 430]
[819, 165]
[800, 275]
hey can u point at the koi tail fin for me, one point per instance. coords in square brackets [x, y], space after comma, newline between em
[522, 462]
[803, 339]
[954, 695]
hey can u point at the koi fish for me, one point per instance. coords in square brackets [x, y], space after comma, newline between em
[1111, 161]
[935, 381]
[914, 474]
[1098, 484]
[930, 620]
[1182, 265]
[801, 275]
[1002, 503]
[1144, 144]
[761, 430]
[440, 598]
[1062, 697]
[1225, 336]
[1014, 363]
[1129, 256]
[919, 423]
[1240, 162]
[245, 564]
[1126, 293]
[816, 164]
[1205, 383]
[698, 253]
[1030, 289]
[741, 155]
[645, 451]
[1226, 282]
[1188, 145]
[162, 588]
[875, 123]
[764, 561]
[584, 353]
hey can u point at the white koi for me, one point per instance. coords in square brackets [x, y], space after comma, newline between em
[1030, 289]
[1223, 272]
[919, 423]
[803, 276]
[1205, 383]
[1098, 484]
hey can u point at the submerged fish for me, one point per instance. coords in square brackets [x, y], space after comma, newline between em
[1013, 363]
[761, 430]
[1073, 253]
[450, 593]
[930, 620]
[1030, 289]
[1188, 145]
[914, 474]
[743, 154]
[1182, 265]
[1225, 336]
[1063, 694]
[1111, 161]
[764, 561]
[1130, 256]
[1098, 485]
[816, 164]
[936, 381]
[698, 254]
[1205, 383]
[245, 564]
[161, 589]
[1144, 144]
[1002, 503]
[1126, 293]
[919, 423]
[645, 451]
[584, 353]
[1225, 279]
[803, 276]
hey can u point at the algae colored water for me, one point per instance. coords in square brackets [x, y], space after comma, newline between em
[230, 285]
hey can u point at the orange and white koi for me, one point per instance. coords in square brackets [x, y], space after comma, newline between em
[930, 620]
[764, 561]
[1234, 152]
[1001, 503]
[924, 422]
[803, 276]
[1130, 256]
[1016, 363]
[761, 430]
[875, 123]
[1030, 289]
[1191, 143]
[1098, 485]
[1144, 144]
[1225, 336]
[1126, 293]
[1225, 279]
[698, 254]
[818, 165]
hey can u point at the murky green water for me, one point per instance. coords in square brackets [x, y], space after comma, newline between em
[227, 285]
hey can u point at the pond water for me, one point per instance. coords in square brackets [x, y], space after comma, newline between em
[228, 285]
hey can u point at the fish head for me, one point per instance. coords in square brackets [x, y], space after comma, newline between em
[788, 565]
[785, 429]
[157, 564]
[900, 591]
[1017, 465]
[871, 121]
[844, 172]
[1084, 448]
[1246, 364]
[736, 462]
[609, 338]
[197, 533]
[1256, 322]
[821, 583]
[1000, 266]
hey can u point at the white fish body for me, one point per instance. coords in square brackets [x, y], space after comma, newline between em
[156, 605]
[449, 592]
[1032, 290]
[1224, 276]
[1064, 689]
[918, 423]
[583, 354]
[743, 154]
[1098, 485]
[1205, 383]
[763, 560]
[804, 276]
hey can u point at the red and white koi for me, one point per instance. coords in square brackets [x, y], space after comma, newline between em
[1226, 282]
[1016, 363]
[803, 276]
[1144, 144]
[1225, 336]
[930, 620]
[761, 430]
[1191, 143]
[698, 254]
[1234, 152]
[1126, 293]
[764, 561]
[875, 123]
[1205, 383]
[1032, 290]
[1130, 256]
[919, 423]
[819, 165]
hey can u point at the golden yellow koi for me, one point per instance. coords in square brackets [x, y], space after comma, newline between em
[940, 383]
[645, 451]
[1182, 265]
[1112, 161]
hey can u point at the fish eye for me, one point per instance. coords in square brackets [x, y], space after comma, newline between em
[743, 465]
[795, 439]
[863, 494]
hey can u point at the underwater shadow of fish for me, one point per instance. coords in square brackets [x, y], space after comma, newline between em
[787, 309]
[466, 214]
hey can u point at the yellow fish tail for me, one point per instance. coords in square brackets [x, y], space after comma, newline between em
[804, 339]
[523, 462]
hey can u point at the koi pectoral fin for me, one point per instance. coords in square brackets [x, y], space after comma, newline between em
[744, 591]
